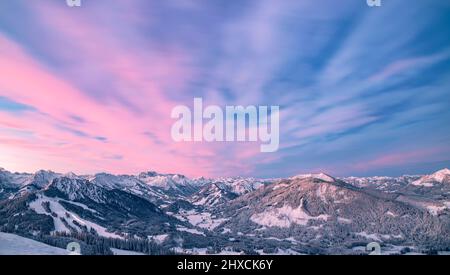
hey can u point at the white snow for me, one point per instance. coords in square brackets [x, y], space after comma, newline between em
[241, 185]
[369, 236]
[201, 219]
[290, 239]
[201, 201]
[284, 217]
[421, 182]
[192, 251]
[159, 239]
[80, 205]
[441, 175]
[428, 181]
[11, 244]
[378, 237]
[344, 220]
[228, 251]
[166, 181]
[434, 209]
[390, 213]
[280, 185]
[226, 230]
[320, 176]
[224, 251]
[190, 230]
[202, 251]
[280, 252]
[387, 249]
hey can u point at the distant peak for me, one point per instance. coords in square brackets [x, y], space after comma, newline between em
[441, 176]
[320, 176]
[70, 175]
[444, 171]
[148, 174]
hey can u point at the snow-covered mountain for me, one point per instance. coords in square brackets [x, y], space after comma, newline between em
[308, 213]
[386, 184]
[173, 183]
[320, 176]
[213, 194]
[440, 177]
[16, 245]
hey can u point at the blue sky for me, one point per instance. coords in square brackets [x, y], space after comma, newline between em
[362, 91]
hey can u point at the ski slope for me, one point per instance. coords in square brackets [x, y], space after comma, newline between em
[11, 244]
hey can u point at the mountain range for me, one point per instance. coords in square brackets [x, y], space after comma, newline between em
[157, 213]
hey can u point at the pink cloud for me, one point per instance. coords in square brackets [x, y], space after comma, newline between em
[138, 76]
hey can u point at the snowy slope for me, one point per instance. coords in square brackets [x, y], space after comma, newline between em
[59, 213]
[125, 252]
[11, 244]
[319, 176]
[440, 177]
[234, 213]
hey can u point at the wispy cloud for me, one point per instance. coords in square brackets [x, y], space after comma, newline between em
[91, 89]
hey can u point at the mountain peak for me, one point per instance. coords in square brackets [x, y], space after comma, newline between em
[320, 176]
[444, 171]
[45, 172]
[441, 176]
[70, 175]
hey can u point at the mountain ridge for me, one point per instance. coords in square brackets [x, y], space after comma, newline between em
[307, 213]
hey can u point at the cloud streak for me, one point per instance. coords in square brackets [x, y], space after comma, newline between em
[91, 89]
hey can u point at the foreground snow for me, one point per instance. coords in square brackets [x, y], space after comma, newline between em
[11, 244]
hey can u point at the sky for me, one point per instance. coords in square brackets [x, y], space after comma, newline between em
[362, 91]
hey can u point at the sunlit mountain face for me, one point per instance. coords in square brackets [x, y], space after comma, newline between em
[361, 90]
[153, 213]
